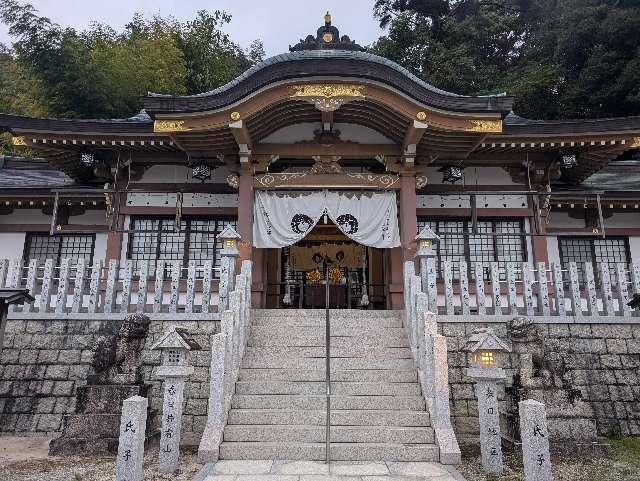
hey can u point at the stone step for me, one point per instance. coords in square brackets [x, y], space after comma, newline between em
[339, 451]
[337, 388]
[294, 340]
[318, 363]
[339, 417]
[311, 402]
[317, 375]
[333, 313]
[270, 433]
[320, 351]
[336, 323]
[278, 331]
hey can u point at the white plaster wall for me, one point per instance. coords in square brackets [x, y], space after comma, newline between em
[634, 249]
[26, 216]
[623, 220]
[90, 217]
[188, 200]
[12, 245]
[100, 248]
[476, 176]
[563, 220]
[454, 201]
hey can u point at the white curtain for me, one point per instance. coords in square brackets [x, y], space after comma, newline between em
[280, 220]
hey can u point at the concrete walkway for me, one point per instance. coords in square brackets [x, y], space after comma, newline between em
[318, 471]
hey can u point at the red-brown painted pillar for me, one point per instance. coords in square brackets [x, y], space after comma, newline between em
[539, 242]
[408, 231]
[114, 238]
[245, 229]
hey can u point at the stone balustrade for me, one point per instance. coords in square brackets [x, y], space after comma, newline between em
[430, 353]
[74, 289]
[549, 295]
[227, 351]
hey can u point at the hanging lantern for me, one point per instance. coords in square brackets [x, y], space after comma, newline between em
[452, 174]
[201, 171]
[88, 159]
[569, 161]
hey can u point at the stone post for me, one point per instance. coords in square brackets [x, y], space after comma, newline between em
[427, 245]
[484, 346]
[535, 441]
[228, 255]
[174, 370]
[133, 423]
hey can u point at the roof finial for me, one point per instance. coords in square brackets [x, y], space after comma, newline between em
[327, 18]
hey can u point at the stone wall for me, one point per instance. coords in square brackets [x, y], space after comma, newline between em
[586, 374]
[43, 361]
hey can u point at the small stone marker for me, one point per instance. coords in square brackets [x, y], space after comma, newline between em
[535, 441]
[175, 346]
[133, 423]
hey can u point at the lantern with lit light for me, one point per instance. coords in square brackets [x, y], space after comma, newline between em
[427, 243]
[228, 254]
[485, 348]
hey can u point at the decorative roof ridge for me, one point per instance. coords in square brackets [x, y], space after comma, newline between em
[513, 119]
[140, 118]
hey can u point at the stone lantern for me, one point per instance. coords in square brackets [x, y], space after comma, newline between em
[228, 255]
[485, 348]
[427, 251]
[175, 346]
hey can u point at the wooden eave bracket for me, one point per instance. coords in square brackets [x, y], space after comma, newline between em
[243, 139]
[411, 140]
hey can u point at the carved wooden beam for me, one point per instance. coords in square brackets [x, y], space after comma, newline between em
[411, 140]
[327, 121]
[344, 150]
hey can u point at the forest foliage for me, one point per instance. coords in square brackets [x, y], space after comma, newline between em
[559, 58]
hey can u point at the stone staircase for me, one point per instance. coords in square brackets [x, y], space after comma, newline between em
[278, 409]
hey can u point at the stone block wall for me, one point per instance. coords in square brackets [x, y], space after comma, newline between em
[44, 361]
[586, 374]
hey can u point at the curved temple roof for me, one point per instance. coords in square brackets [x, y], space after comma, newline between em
[310, 64]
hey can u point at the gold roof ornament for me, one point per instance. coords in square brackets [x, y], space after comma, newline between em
[327, 18]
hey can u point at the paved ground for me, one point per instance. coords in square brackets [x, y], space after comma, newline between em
[318, 471]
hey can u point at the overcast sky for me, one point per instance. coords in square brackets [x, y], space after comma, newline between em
[279, 23]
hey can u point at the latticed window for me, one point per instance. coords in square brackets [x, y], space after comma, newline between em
[155, 238]
[491, 243]
[612, 250]
[43, 246]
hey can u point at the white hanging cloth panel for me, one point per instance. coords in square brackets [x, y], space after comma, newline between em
[369, 219]
[281, 220]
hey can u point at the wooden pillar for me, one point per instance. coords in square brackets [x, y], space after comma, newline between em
[408, 231]
[245, 229]
[539, 242]
[114, 241]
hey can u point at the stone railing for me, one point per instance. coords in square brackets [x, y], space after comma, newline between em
[430, 354]
[74, 289]
[547, 295]
[227, 350]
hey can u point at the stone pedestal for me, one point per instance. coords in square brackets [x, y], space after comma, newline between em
[490, 441]
[94, 427]
[171, 425]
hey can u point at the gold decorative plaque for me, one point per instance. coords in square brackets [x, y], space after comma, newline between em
[328, 97]
[492, 126]
[19, 141]
[235, 116]
[327, 37]
[169, 126]
[635, 143]
[422, 116]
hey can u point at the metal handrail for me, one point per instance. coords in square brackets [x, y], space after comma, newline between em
[328, 364]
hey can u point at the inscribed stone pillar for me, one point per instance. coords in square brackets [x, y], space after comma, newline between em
[133, 422]
[490, 445]
[171, 424]
[535, 441]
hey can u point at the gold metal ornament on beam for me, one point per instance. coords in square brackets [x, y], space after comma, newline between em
[635, 143]
[235, 116]
[328, 97]
[18, 141]
[421, 116]
[488, 126]
[169, 126]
